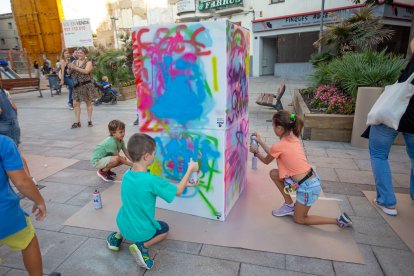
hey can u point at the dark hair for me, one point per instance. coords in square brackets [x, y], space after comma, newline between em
[114, 125]
[83, 49]
[62, 55]
[139, 144]
[290, 122]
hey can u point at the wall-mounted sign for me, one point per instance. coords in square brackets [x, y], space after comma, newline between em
[207, 4]
[77, 33]
[185, 6]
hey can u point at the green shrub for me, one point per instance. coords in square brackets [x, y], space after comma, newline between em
[113, 64]
[352, 70]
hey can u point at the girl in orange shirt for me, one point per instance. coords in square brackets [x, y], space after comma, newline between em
[294, 172]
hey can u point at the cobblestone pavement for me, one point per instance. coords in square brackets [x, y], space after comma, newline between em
[345, 172]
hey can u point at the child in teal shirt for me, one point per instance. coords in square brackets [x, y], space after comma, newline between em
[139, 191]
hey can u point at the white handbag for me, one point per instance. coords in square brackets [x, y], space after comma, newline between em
[392, 103]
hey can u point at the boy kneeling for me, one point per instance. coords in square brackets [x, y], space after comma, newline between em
[139, 190]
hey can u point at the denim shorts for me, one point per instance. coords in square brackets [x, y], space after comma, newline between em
[308, 192]
[164, 229]
[11, 129]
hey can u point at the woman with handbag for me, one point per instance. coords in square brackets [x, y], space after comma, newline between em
[381, 138]
[83, 88]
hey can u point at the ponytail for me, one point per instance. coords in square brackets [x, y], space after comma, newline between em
[289, 121]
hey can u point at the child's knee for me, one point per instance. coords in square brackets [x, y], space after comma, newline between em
[274, 174]
[299, 220]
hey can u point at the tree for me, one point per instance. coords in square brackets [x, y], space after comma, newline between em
[376, 2]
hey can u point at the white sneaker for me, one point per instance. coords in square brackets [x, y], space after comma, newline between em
[388, 211]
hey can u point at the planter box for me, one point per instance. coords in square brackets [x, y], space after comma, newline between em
[327, 127]
[323, 127]
[127, 92]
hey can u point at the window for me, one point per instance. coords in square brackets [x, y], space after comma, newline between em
[10, 25]
[276, 1]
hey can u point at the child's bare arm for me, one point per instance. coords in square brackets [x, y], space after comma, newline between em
[27, 187]
[192, 167]
[128, 161]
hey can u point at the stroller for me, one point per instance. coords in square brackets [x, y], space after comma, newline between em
[54, 84]
[106, 96]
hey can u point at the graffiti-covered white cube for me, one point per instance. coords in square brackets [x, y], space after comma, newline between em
[192, 96]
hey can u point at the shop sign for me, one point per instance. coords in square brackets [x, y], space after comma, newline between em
[185, 6]
[77, 33]
[207, 5]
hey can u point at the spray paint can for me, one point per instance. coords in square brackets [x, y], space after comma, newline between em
[194, 178]
[254, 144]
[97, 200]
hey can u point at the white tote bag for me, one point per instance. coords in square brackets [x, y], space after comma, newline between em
[391, 105]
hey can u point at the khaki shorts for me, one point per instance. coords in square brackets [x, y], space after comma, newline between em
[20, 240]
[103, 162]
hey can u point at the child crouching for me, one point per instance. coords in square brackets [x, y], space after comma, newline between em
[139, 190]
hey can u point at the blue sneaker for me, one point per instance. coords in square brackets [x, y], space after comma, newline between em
[344, 221]
[140, 253]
[113, 242]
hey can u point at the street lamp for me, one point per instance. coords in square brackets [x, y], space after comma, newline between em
[321, 26]
[116, 32]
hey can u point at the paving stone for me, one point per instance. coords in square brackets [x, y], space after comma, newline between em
[401, 180]
[4, 270]
[370, 268]
[363, 164]
[399, 155]
[64, 144]
[85, 232]
[351, 189]
[331, 162]
[60, 192]
[83, 165]
[78, 177]
[84, 155]
[173, 263]
[93, 258]
[254, 270]
[347, 153]
[394, 261]
[375, 231]
[323, 144]
[85, 196]
[244, 256]
[62, 152]
[363, 208]
[56, 215]
[344, 203]
[55, 248]
[309, 265]
[179, 246]
[355, 176]
[328, 174]
[17, 272]
[316, 152]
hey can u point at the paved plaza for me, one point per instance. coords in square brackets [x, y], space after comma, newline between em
[344, 170]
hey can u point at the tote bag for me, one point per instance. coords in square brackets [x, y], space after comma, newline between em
[391, 105]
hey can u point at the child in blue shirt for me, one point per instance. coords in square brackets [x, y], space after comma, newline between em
[107, 86]
[16, 230]
[139, 190]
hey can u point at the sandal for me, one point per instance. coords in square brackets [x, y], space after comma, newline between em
[90, 124]
[76, 125]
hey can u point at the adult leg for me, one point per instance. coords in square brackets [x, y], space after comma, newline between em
[32, 258]
[76, 106]
[381, 138]
[409, 143]
[68, 82]
[274, 175]
[301, 216]
[89, 108]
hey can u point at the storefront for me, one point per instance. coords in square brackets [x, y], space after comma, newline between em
[283, 45]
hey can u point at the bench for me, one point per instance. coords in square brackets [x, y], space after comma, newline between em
[22, 83]
[273, 100]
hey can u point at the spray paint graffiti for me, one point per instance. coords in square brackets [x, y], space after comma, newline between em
[193, 100]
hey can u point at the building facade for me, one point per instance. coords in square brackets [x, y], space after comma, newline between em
[283, 31]
[9, 37]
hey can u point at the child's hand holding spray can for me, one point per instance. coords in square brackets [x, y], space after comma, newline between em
[194, 178]
[255, 145]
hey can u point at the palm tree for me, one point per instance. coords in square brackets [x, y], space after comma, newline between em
[360, 32]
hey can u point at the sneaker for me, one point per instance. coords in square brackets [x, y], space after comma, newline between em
[285, 210]
[111, 173]
[344, 221]
[141, 255]
[113, 242]
[104, 176]
[387, 210]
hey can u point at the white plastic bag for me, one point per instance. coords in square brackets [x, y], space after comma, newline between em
[392, 103]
